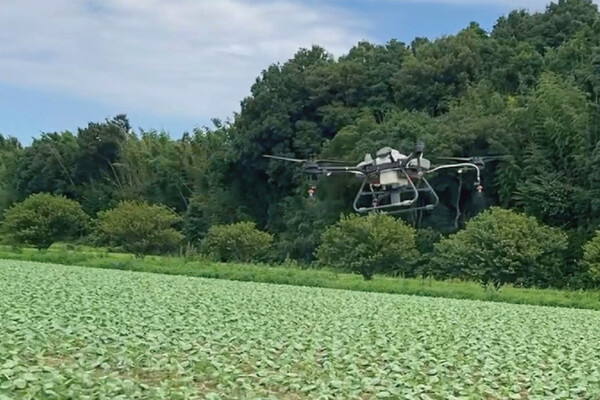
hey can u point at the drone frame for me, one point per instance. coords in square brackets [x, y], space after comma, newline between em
[397, 206]
[370, 171]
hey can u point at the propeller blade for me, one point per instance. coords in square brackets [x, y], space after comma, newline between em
[297, 160]
[495, 158]
[475, 159]
[455, 158]
[333, 161]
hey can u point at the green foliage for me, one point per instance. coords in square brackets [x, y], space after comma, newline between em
[561, 21]
[555, 144]
[47, 165]
[216, 206]
[42, 219]
[499, 247]
[139, 228]
[426, 239]
[161, 170]
[591, 258]
[10, 151]
[100, 145]
[439, 71]
[368, 245]
[240, 242]
[302, 223]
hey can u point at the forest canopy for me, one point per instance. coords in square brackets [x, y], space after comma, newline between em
[529, 88]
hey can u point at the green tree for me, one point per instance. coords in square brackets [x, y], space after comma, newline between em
[10, 151]
[47, 165]
[216, 206]
[556, 149]
[440, 70]
[239, 242]
[42, 219]
[367, 245]
[100, 147]
[139, 228]
[591, 258]
[302, 223]
[501, 247]
[560, 22]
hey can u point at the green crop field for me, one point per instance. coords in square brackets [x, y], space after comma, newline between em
[71, 332]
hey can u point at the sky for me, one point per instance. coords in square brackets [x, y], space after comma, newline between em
[176, 64]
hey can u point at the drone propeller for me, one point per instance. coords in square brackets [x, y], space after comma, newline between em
[474, 159]
[299, 160]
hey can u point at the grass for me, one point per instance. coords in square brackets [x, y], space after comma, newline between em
[293, 275]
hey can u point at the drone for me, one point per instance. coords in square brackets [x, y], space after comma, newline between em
[392, 182]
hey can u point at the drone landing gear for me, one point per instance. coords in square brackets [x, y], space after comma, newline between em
[395, 199]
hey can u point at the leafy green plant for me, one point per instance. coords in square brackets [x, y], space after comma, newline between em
[139, 228]
[42, 219]
[102, 334]
[237, 242]
[367, 245]
[501, 246]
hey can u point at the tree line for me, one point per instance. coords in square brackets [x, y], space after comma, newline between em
[528, 89]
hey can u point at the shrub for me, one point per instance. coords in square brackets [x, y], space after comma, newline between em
[42, 219]
[367, 245]
[139, 228]
[591, 258]
[240, 242]
[502, 246]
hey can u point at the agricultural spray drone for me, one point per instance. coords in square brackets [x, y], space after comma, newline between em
[392, 182]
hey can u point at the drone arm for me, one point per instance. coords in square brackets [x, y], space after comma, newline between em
[460, 165]
[329, 170]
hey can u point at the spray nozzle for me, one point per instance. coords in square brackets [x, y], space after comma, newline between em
[479, 187]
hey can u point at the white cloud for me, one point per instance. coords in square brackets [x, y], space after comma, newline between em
[193, 58]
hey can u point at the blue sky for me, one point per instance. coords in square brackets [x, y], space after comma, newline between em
[175, 64]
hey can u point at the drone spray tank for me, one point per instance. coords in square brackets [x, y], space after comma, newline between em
[391, 178]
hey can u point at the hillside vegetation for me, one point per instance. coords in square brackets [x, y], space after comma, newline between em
[529, 89]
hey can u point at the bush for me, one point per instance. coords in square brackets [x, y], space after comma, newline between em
[139, 228]
[591, 259]
[43, 219]
[502, 246]
[240, 242]
[368, 245]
